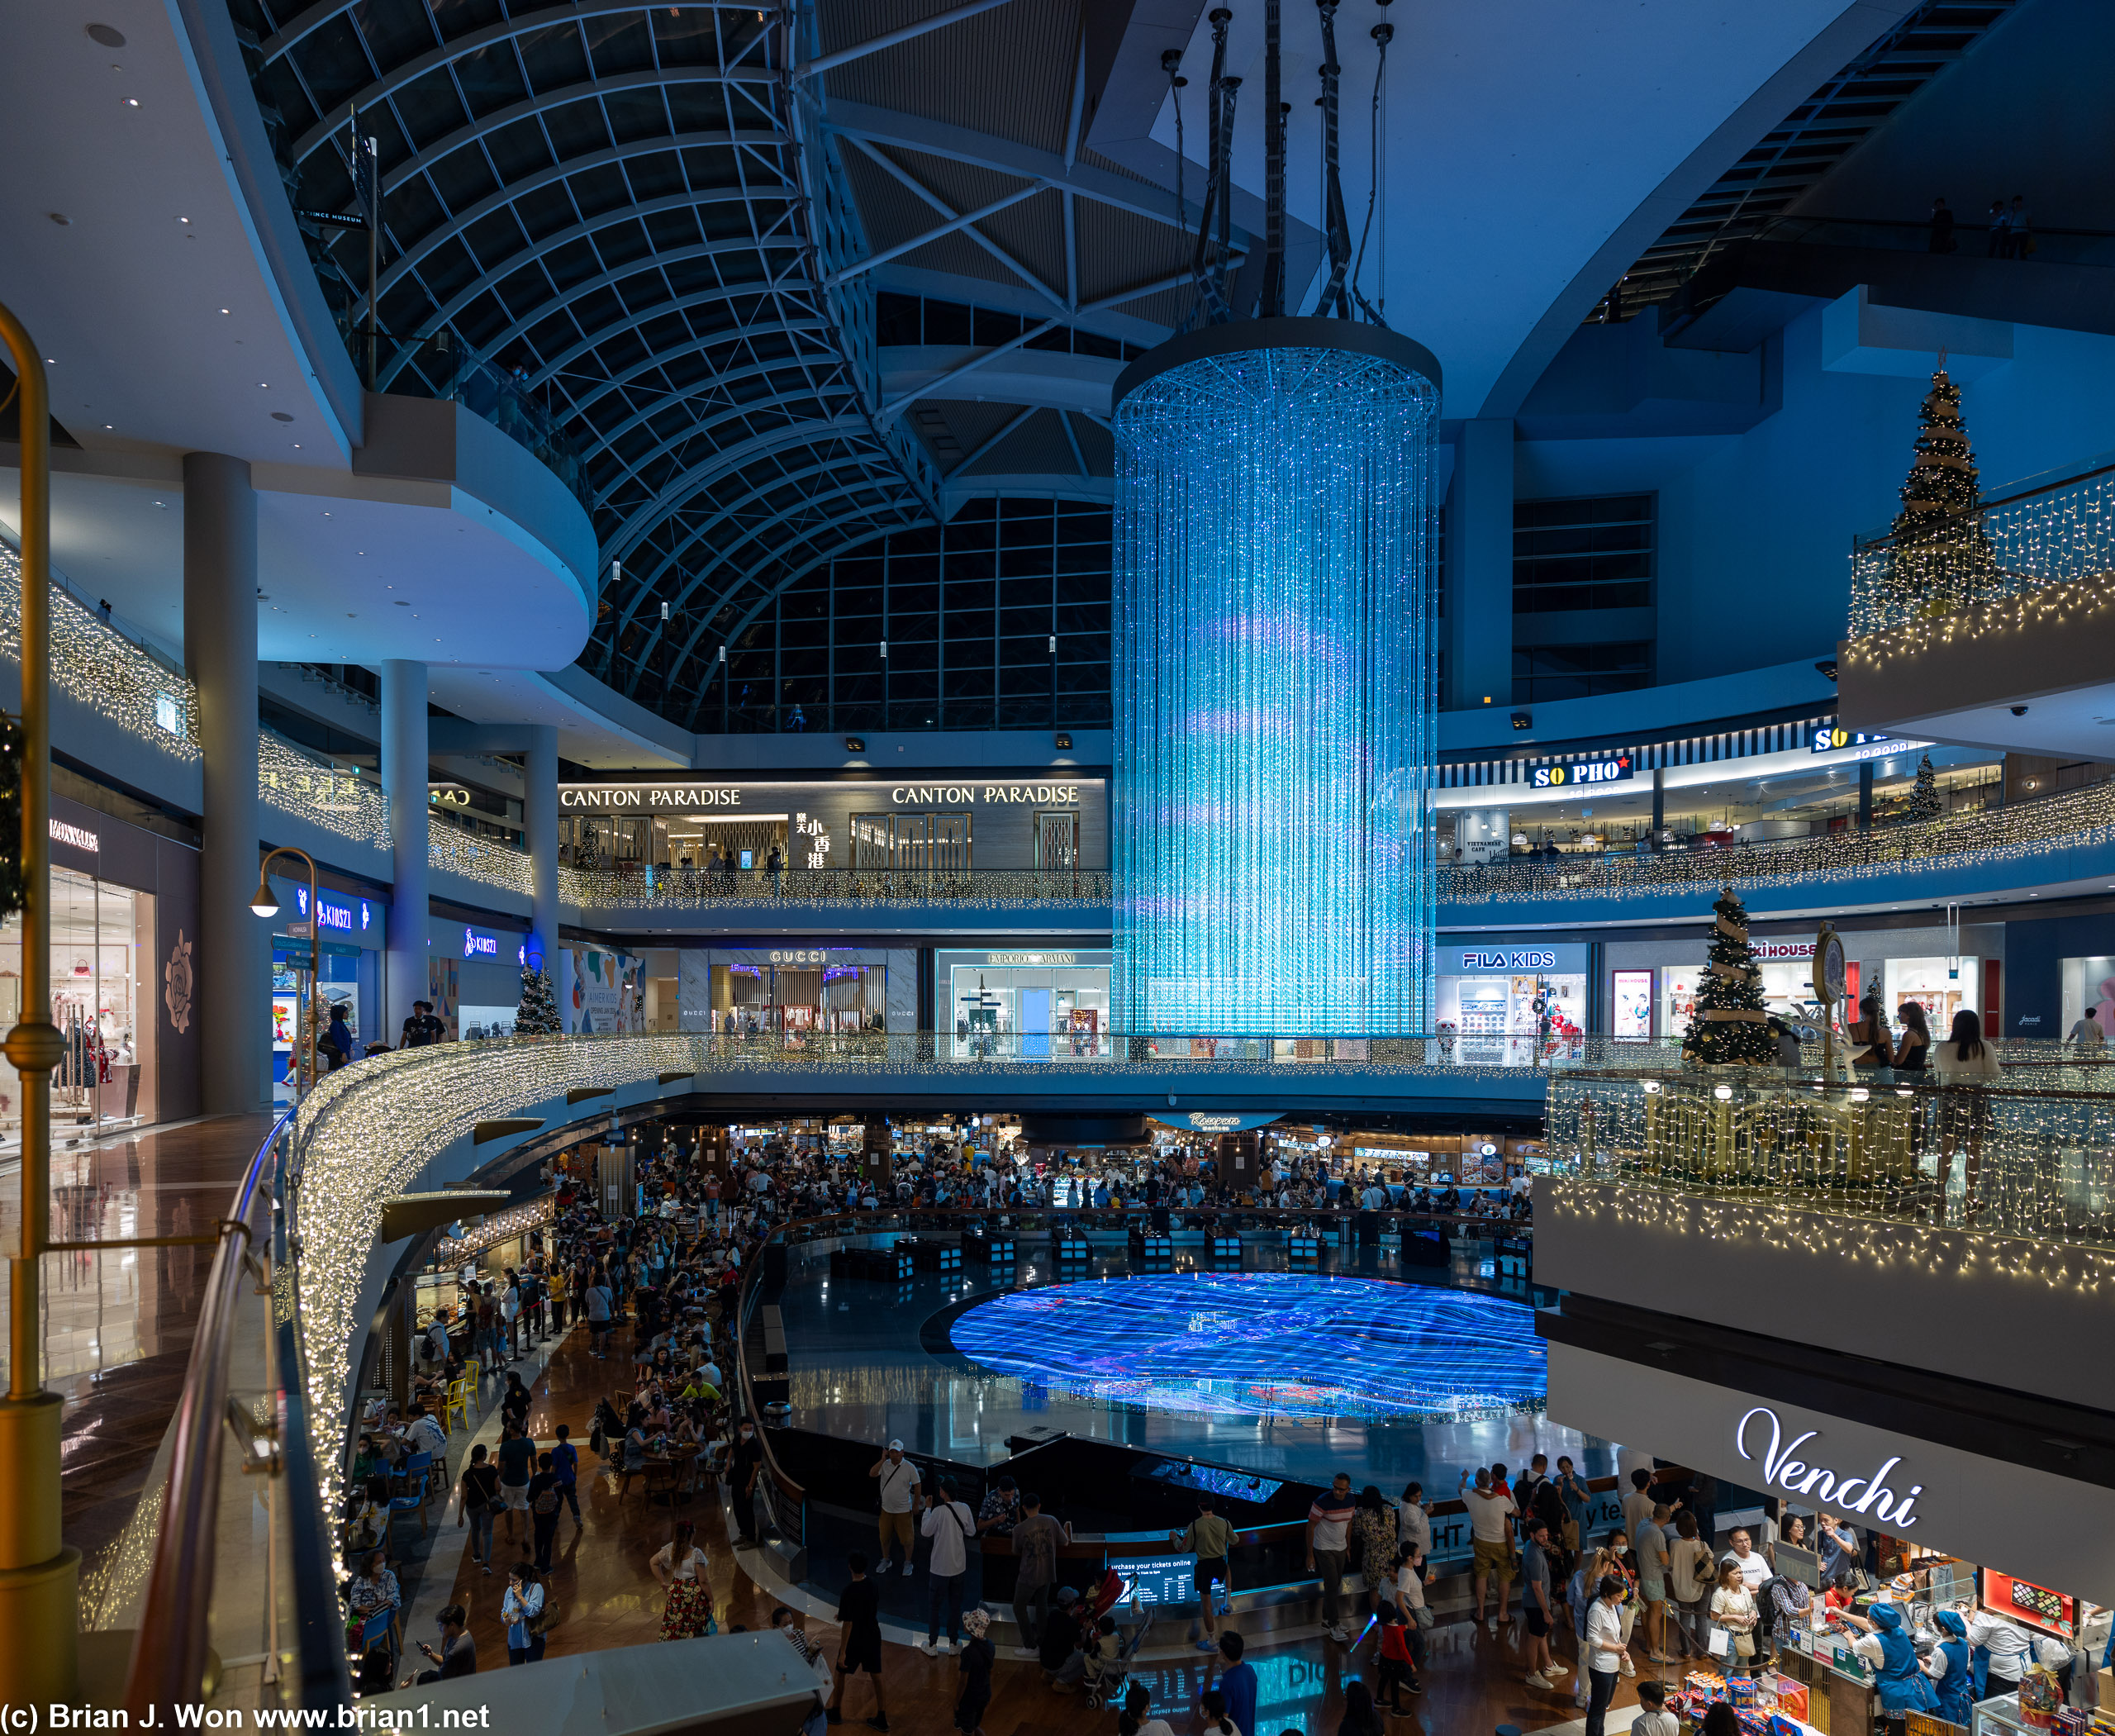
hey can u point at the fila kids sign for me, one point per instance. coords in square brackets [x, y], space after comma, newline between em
[1615, 768]
[1826, 1486]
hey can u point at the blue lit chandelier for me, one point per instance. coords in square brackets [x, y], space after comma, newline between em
[1275, 703]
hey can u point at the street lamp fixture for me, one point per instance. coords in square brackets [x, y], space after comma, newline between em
[267, 906]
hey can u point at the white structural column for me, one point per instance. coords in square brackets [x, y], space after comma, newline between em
[219, 648]
[404, 775]
[539, 825]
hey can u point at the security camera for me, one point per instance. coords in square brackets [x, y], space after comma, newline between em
[2019, 711]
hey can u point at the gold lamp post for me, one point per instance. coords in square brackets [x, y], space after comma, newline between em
[39, 1574]
[267, 906]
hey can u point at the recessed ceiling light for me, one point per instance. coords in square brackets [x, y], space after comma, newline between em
[131, 102]
[224, 310]
[183, 219]
[61, 218]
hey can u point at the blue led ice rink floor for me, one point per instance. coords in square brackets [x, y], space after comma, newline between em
[1292, 1345]
[1296, 1374]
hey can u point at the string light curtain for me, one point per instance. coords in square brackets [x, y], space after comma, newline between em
[1273, 683]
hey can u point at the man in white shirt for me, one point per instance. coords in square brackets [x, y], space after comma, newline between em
[950, 1524]
[899, 1489]
[1491, 1533]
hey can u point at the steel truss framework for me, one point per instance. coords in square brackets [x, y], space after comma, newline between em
[642, 215]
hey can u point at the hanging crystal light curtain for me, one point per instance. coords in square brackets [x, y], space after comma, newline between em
[1274, 721]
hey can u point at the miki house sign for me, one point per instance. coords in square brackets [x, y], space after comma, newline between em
[1566, 960]
[1616, 768]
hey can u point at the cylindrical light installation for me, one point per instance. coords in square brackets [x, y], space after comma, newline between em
[1274, 683]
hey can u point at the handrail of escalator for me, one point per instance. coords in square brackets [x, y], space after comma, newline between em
[170, 1651]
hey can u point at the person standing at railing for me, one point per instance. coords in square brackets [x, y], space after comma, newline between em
[2087, 1035]
[1942, 228]
[1965, 1061]
[2001, 228]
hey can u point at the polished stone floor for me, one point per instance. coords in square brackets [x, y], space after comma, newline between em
[871, 1362]
[118, 1323]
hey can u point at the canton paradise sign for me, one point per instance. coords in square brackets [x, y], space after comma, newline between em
[1829, 1486]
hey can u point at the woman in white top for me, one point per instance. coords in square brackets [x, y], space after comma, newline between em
[1413, 1519]
[1605, 1651]
[1732, 1608]
[680, 1565]
[1964, 1059]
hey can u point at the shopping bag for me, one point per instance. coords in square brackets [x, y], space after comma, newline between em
[1721, 1641]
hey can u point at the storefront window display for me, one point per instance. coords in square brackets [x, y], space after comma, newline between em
[349, 939]
[1035, 1005]
[796, 992]
[2088, 982]
[1501, 1005]
[100, 933]
[348, 977]
[1944, 987]
[1630, 1016]
[1788, 990]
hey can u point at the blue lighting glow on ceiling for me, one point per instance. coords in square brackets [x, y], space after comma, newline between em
[1273, 686]
[1262, 1344]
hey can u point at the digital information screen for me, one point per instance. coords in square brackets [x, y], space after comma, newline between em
[1211, 1479]
[1156, 1581]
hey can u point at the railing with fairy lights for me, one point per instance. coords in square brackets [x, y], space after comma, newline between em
[637, 886]
[96, 665]
[242, 1409]
[2027, 1155]
[2047, 553]
[2014, 833]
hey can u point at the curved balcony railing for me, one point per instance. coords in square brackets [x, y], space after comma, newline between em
[2046, 552]
[241, 1406]
[637, 886]
[2007, 834]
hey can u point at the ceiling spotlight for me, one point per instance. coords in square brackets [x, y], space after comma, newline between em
[131, 102]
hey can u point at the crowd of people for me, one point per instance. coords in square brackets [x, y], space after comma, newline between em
[672, 1272]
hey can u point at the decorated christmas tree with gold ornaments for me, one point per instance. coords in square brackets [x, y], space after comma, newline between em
[1730, 1025]
[1942, 561]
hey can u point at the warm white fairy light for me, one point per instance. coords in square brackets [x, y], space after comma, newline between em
[2015, 833]
[2054, 555]
[98, 667]
[1841, 1173]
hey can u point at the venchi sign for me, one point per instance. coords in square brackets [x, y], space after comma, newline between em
[1827, 1487]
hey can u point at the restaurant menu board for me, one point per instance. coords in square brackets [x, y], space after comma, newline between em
[2030, 1606]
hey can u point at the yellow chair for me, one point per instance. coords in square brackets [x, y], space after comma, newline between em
[473, 1377]
[457, 1408]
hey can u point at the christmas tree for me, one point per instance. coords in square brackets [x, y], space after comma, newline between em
[537, 1014]
[1925, 802]
[1942, 560]
[1728, 1029]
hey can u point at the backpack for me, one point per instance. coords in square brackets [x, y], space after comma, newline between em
[547, 1501]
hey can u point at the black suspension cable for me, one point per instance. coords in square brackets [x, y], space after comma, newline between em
[1271, 303]
[1383, 34]
[1336, 226]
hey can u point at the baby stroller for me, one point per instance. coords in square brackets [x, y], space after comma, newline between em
[1108, 1689]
